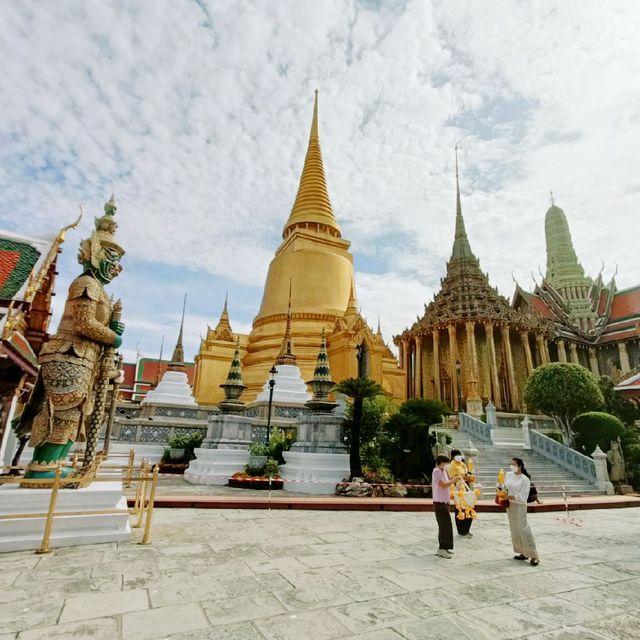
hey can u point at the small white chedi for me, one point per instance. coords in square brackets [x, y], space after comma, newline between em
[173, 389]
[289, 386]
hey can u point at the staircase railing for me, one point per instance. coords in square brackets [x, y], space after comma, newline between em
[563, 456]
[475, 427]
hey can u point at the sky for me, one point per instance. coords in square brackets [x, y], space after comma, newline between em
[196, 114]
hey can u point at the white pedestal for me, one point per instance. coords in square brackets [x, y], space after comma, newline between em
[21, 534]
[216, 466]
[315, 473]
[173, 389]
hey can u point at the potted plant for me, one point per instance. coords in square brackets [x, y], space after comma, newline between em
[258, 455]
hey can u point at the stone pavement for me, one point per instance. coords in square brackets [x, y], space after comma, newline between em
[309, 575]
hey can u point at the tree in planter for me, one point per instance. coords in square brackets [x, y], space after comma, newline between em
[359, 389]
[375, 413]
[596, 429]
[408, 445]
[563, 391]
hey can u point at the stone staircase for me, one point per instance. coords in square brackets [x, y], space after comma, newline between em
[548, 477]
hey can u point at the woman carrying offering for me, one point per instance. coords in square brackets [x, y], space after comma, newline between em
[458, 467]
[517, 484]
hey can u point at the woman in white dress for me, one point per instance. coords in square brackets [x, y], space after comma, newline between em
[518, 483]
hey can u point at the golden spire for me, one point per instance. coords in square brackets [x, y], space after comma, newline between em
[312, 202]
[461, 246]
[286, 355]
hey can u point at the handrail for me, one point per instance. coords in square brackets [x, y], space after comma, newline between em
[564, 456]
[142, 509]
[475, 427]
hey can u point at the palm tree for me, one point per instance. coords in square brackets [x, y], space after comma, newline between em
[359, 389]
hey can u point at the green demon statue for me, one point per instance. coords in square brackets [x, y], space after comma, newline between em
[73, 360]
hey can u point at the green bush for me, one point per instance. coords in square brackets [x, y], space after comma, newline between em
[272, 469]
[381, 475]
[259, 449]
[279, 441]
[185, 441]
[554, 435]
[563, 390]
[594, 428]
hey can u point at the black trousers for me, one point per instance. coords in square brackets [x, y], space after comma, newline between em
[445, 528]
[463, 526]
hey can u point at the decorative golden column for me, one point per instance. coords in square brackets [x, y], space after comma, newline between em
[524, 336]
[401, 354]
[418, 372]
[436, 363]
[511, 375]
[624, 357]
[471, 341]
[406, 364]
[453, 356]
[573, 350]
[593, 361]
[542, 348]
[562, 352]
[474, 402]
[495, 384]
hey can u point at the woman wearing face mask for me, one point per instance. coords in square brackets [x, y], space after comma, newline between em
[517, 483]
[459, 468]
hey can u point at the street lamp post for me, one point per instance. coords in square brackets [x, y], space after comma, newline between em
[359, 360]
[272, 383]
[459, 381]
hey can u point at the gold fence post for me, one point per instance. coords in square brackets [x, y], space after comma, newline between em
[44, 547]
[132, 455]
[142, 488]
[137, 504]
[152, 497]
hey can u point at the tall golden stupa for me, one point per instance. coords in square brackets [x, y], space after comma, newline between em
[313, 272]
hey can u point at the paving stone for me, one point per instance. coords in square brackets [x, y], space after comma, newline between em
[163, 622]
[97, 605]
[312, 597]
[242, 631]
[309, 625]
[25, 614]
[323, 560]
[8, 578]
[622, 627]
[280, 564]
[444, 627]
[371, 615]
[96, 629]
[550, 609]
[258, 605]
[505, 621]
[431, 602]
[371, 589]
[569, 633]
[381, 634]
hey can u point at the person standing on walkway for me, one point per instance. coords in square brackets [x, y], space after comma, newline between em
[458, 467]
[517, 484]
[440, 487]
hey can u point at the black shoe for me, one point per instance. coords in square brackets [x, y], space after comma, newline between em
[520, 557]
[533, 562]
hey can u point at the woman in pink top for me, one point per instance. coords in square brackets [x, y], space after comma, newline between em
[440, 483]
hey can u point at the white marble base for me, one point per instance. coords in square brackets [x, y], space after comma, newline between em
[315, 473]
[21, 534]
[289, 389]
[216, 466]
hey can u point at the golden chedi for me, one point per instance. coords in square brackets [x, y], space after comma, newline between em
[313, 265]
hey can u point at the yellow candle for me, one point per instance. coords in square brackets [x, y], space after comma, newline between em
[501, 476]
[470, 465]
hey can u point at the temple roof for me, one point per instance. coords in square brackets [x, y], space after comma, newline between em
[312, 202]
[465, 292]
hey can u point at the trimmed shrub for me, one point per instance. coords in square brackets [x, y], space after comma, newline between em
[595, 428]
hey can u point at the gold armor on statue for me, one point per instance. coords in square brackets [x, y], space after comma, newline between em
[75, 360]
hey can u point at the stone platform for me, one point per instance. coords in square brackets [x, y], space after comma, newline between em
[26, 533]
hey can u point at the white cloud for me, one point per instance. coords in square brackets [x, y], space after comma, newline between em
[196, 114]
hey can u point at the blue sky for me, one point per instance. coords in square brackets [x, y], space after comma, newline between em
[196, 115]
